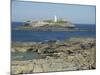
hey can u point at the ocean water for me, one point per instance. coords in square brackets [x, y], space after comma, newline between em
[29, 35]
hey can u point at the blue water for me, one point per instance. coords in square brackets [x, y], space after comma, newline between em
[29, 35]
[25, 56]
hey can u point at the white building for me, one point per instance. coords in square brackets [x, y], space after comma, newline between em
[55, 18]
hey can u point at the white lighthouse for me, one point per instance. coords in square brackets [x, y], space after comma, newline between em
[55, 18]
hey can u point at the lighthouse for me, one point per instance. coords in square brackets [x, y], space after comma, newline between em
[55, 18]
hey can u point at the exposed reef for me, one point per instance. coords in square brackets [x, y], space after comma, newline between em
[72, 54]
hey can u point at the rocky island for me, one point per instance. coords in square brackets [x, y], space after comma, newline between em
[47, 25]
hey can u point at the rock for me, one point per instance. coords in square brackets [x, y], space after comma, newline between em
[32, 50]
[13, 50]
[46, 67]
[42, 48]
[73, 54]
[15, 70]
[37, 68]
[20, 69]
[18, 49]
[93, 66]
[22, 50]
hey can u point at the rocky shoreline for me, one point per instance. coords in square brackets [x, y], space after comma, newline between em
[67, 55]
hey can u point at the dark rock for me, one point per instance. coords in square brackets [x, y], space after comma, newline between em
[70, 52]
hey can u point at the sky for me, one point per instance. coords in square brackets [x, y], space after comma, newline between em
[78, 14]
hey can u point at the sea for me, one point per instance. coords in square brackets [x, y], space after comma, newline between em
[40, 36]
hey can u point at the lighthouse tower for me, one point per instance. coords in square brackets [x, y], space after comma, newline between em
[55, 18]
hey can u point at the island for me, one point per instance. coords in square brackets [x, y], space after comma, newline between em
[48, 25]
